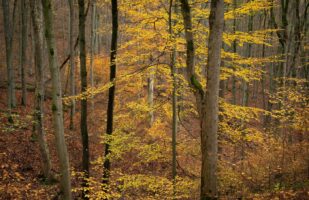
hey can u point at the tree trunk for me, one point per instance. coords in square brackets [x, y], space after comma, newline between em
[57, 110]
[72, 64]
[83, 101]
[8, 33]
[92, 38]
[111, 92]
[23, 46]
[150, 91]
[234, 51]
[174, 101]
[36, 15]
[210, 120]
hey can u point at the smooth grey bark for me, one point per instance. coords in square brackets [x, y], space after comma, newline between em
[8, 34]
[209, 188]
[23, 47]
[72, 63]
[83, 101]
[57, 110]
[208, 103]
[36, 16]
[150, 90]
[150, 87]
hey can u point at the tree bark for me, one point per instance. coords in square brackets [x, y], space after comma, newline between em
[23, 46]
[8, 34]
[209, 122]
[57, 110]
[92, 38]
[72, 64]
[174, 100]
[150, 91]
[36, 15]
[111, 92]
[209, 141]
[83, 102]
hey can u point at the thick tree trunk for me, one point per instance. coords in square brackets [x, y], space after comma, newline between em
[209, 122]
[209, 141]
[8, 33]
[83, 105]
[36, 15]
[72, 64]
[23, 46]
[111, 92]
[57, 110]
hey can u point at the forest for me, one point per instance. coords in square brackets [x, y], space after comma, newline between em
[154, 99]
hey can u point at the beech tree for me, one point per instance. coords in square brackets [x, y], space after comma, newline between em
[8, 33]
[92, 44]
[209, 127]
[23, 47]
[83, 102]
[57, 109]
[111, 91]
[72, 63]
[174, 93]
[208, 104]
[37, 24]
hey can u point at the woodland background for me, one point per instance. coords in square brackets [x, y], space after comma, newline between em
[263, 138]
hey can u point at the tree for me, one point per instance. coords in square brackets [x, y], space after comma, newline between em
[36, 16]
[92, 44]
[111, 92]
[72, 64]
[83, 102]
[150, 87]
[209, 102]
[23, 47]
[210, 114]
[57, 109]
[174, 98]
[8, 33]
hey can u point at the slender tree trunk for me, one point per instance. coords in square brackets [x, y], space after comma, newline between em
[23, 46]
[8, 34]
[245, 99]
[83, 105]
[36, 15]
[174, 101]
[209, 141]
[111, 92]
[92, 38]
[264, 75]
[72, 64]
[30, 70]
[150, 95]
[57, 109]
[234, 51]
[297, 39]
[245, 86]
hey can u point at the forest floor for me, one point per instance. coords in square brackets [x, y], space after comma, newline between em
[20, 163]
[20, 158]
